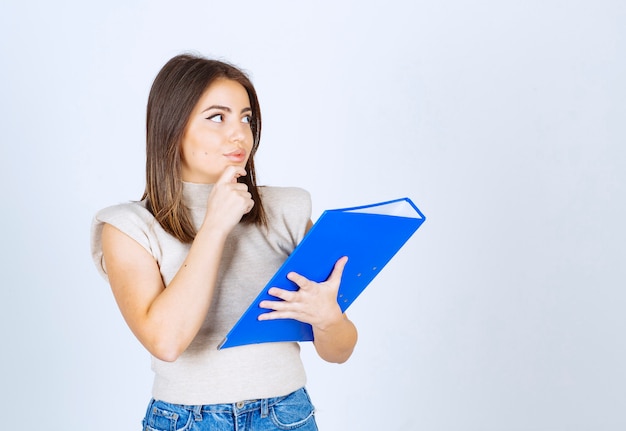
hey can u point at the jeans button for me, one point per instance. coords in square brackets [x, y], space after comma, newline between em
[240, 404]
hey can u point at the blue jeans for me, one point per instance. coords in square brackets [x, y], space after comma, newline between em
[291, 412]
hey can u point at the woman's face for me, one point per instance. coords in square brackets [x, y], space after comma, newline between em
[218, 133]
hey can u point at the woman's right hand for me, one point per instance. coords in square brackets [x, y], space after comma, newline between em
[228, 201]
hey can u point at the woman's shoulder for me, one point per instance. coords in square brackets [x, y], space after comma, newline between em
[130, 211]
[132, 218]
[288, 211]
[287, 199]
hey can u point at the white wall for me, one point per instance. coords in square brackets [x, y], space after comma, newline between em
[504, 121]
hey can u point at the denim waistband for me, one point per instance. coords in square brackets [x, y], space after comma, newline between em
[239, 407]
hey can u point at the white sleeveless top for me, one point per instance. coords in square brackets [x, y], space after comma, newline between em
[252, 254]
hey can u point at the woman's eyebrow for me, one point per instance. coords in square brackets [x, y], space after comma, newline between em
[226, 108]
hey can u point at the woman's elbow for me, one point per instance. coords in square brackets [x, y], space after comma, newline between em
[336, 357]
[165, 356]
[336, 354]
[165, 351]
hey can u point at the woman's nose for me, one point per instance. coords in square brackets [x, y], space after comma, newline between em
[237, 132]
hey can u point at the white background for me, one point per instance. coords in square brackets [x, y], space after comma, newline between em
[503, 120]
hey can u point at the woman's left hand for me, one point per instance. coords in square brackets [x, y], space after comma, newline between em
[313, 303]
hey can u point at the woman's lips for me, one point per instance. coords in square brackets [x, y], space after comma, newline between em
[236, 156]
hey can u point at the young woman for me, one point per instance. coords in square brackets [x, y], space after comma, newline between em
[186, 261]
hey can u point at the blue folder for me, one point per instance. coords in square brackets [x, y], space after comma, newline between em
[369, 235]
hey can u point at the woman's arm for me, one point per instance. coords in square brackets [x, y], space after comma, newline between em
[316, 304]
[336, 343]
[166, 320]
[335, 336]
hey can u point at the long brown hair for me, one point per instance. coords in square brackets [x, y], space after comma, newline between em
[174, 93]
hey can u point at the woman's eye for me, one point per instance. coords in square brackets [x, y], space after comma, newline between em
[247, 119]
[218, 118]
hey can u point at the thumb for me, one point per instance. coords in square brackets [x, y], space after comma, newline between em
[335, 276]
